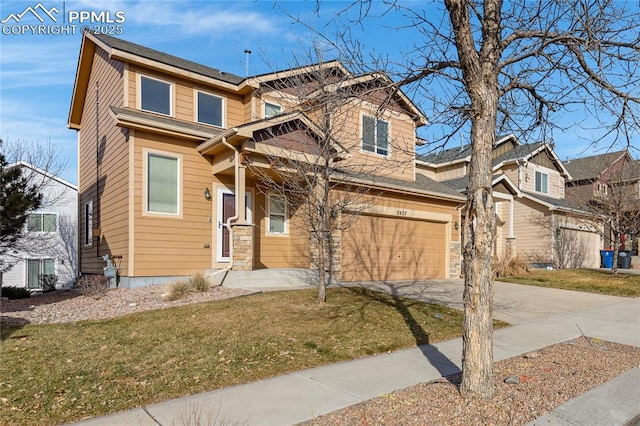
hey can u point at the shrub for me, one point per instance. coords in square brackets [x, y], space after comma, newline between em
[13, 293]
[199, 282]
[95, 286]
[48, 282]
[513, 267]
[178, 290]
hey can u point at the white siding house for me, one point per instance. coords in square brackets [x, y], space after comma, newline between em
[50, 243]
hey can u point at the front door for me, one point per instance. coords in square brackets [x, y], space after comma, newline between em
[226, 209]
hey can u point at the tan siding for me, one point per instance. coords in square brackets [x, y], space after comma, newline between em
[110, 203]
[398, 164]
[532, 231]
[184, 97]
[502, 149]
[173, 245]
[556, 182]
[452, 171]
[428, 172]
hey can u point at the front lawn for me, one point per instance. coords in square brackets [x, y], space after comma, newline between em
[57, 373]
[591, 281]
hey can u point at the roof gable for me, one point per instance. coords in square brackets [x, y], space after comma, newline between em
[588, 168]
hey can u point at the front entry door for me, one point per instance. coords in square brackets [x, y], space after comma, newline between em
[226, 209]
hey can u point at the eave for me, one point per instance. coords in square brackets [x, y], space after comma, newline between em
[132, 119]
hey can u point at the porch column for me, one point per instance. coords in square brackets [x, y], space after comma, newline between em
[242, 246]
[510, 242]
[241, 190]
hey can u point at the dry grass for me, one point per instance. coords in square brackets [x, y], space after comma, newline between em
[601, 282]
[196, 283]
[513, 267]
[58, 373]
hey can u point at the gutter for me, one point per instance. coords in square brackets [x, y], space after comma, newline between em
[236, 163]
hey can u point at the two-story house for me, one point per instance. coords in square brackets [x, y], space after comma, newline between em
[533, 217]
[166, 145]
[609, 183]
[48, 248]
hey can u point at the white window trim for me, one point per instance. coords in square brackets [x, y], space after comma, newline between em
[286, 216]
[88, 224]
[42, 214]
[195, 109]
[145, 182]
[171, 95]
[264, 108]
[541, 186]
[364, 151]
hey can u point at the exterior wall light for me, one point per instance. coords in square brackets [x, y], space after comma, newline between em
[207, 194]
[456, 225]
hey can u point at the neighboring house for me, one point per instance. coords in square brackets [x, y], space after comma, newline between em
[611, 178]
[49, 245]
[165, 145]
[533, 217]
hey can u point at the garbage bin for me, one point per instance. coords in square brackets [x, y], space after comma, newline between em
[624, 259]
[606, 257]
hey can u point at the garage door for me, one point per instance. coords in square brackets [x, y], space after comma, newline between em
[578, 249]
[386, 248]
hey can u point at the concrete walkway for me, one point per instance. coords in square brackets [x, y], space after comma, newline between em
[540, 317]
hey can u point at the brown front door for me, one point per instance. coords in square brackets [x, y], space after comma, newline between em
[228, 210]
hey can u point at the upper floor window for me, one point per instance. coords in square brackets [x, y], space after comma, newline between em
[277, 214]
[155, 95]
[163, 184]
[271, 109]
[210, 109]
[542, 182]
[42, 222]
[375, 135]
[603, 188]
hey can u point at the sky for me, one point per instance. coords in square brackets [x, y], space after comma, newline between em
[37, 71]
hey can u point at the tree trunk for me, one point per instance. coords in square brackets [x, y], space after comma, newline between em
[477, 328]
[322, 279]
[616, 252]
[480, 74]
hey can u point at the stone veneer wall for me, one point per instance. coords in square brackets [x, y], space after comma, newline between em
[242, 247]
[455, 259]
[334, 255]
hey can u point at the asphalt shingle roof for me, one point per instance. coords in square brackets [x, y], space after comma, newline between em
[590, 167]
[422, 183]
[458, 153]
[167, 59]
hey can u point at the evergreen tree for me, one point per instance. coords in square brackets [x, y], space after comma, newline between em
[17, 199]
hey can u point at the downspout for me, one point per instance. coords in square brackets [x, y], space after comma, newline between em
[236, 164]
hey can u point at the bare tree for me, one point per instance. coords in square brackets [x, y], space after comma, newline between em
[615, 199]
[37, 163]
[315, 175]
[482, 67]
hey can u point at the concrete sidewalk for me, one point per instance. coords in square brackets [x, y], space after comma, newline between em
[540, 316]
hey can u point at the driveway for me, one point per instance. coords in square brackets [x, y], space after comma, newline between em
[513, 303]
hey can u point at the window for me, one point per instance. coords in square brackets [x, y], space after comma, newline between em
[38, 267]
[277, 214]
[88, 223]
[163, 184]
[155, 95]
[271, 109]
[42, 222]
[210, 109]
[542, 182]
[375, 135]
